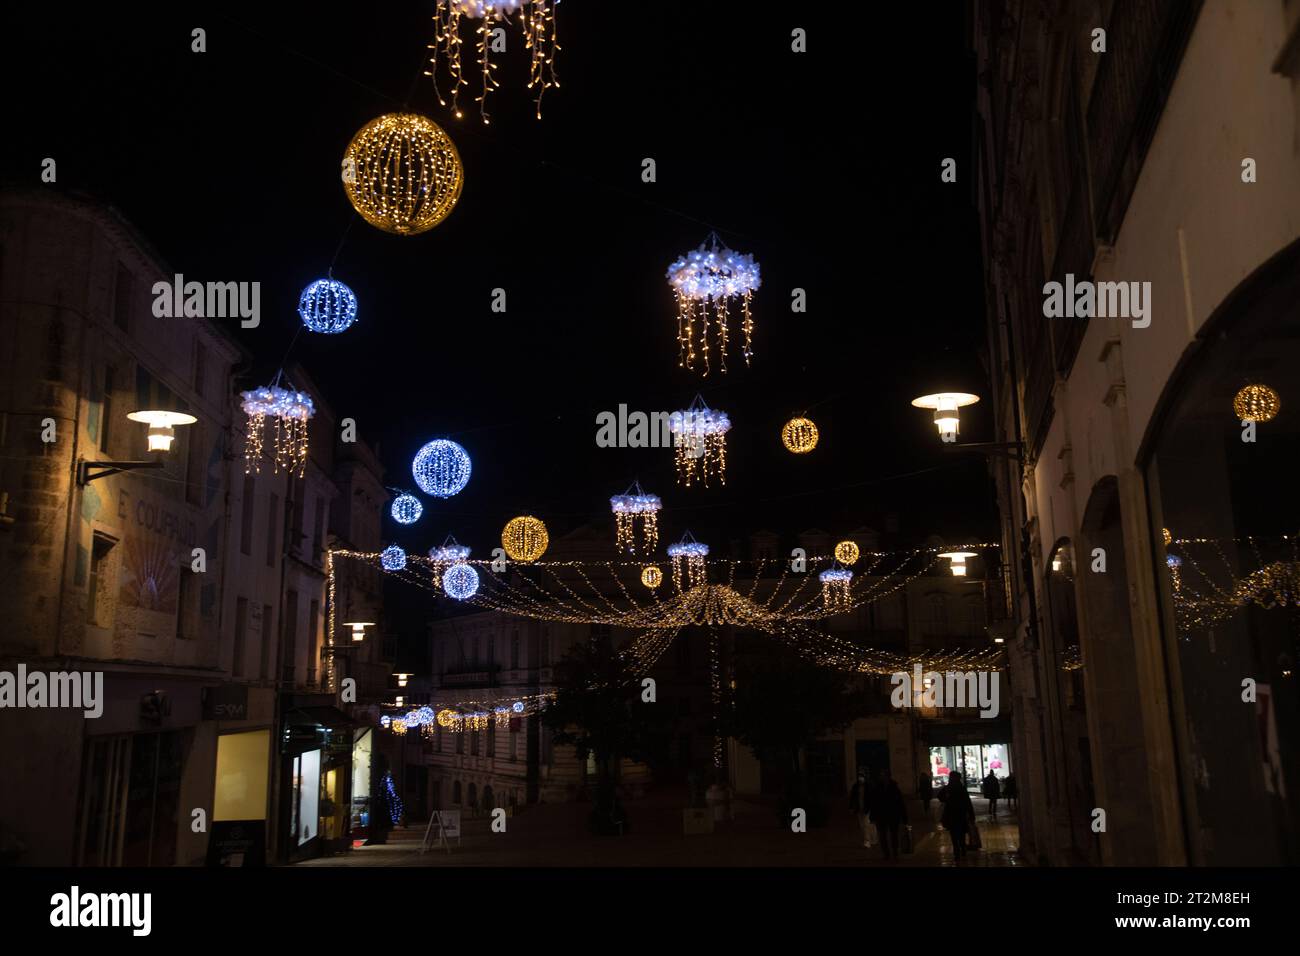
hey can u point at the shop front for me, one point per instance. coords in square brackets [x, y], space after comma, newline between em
[317, 776]
[973, 749]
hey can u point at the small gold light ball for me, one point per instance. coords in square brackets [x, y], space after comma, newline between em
[1256, 403]
[799, 435]
[446, 718]
[846, 552]
[651, 576]
[402, 173]
[525, 538]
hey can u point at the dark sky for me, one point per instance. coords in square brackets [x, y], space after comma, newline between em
[824, 165]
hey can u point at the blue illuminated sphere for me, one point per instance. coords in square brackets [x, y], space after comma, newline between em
[460, 581]
[441, 468]
[406, 509]
[327, 306]
[393, 558]
[518, 707]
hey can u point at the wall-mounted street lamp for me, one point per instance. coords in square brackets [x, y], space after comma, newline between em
[947, 418]
[402, 679]
[358, 629]
[958, 559]
[162, 430]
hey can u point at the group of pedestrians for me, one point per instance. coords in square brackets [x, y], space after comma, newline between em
[880, 803]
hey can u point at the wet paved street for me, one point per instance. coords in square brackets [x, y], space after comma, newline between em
[556, 835]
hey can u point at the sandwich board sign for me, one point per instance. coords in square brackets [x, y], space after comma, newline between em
[444, 825]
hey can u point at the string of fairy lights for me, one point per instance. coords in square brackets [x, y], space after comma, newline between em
[1209, 587]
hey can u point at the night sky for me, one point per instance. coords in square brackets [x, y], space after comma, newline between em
[824, 165]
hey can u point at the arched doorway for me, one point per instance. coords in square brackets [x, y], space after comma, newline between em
[1117, 741]
[1223, 526]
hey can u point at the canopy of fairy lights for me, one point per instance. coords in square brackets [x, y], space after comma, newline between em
[699, 443]
[288, 412]
[631, 508]
[402, 173]
[441, 468]
[708, 283]
[536, 20]
[327, 306]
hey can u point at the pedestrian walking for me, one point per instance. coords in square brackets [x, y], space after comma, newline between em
[860, 804]
[926, 790]
[888, 812]
[1010, 793]
[958, 816]
[992, 789]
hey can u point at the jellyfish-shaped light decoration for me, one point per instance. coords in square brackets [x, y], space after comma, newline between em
[393, 558]
[631, 507]
[327, 306]
[708, 283]
[290, 411]
[835, 587]
[699, 443]
[441, 468]
[460, 581]
[449, 551]
[406, 509]
[688, 561]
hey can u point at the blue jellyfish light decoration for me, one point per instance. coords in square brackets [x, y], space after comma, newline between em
[406, 509]
[327, 306]
[393, 558]
[441, 468]
[460, 582]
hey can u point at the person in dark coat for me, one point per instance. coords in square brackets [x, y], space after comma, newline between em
[926, 790]
[992, 789]
[958, 814]
[1010, 793]
[888, 813]
[860, 804]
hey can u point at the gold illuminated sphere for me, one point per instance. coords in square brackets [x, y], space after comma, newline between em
[799, 435]
[1169, 538]
[446, 718]
[846, 552]
[1256, 403]
[524, 538]
[402, 173]
[651, 576]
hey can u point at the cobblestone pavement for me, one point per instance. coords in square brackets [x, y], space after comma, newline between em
[557, 835]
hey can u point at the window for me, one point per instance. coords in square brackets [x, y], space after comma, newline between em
[936, 609]
[106, 414]
[455, 792]
[246, 515]
[102, 598]
[514, 650]
[187, 602]
[122, 293]
[272, 519]
[318, 530]
[268, 629]
[492, 653]
[460, 743]
[514, 745]
[492, 738]
[200, 366]
[290, 649]
[546, 647]
[473, 744]
[437, 738]
[195, 466]
[313, 628]
[241, 632]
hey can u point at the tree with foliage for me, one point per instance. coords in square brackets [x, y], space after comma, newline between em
[779, 706]
[598, 709]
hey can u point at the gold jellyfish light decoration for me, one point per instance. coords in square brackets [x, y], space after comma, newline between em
[402, 173]
[524, 538]
[490, 17]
